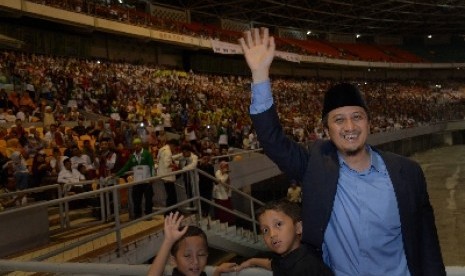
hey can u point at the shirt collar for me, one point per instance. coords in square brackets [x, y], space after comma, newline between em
[375, 161]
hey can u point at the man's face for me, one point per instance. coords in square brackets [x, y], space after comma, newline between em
[67, 165]
[137, 147]
[348, 128]
[104, 146]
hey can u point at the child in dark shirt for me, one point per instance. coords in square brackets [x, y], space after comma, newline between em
[281, 225]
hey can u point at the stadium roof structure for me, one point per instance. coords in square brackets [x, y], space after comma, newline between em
[364, 17]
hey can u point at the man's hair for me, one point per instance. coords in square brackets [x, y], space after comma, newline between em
[290, 209]
[80, 166]
[173, 142]
[192, 231]
[105, 139]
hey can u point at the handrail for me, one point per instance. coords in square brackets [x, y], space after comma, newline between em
[74, 268]
[241, 152]
[105, 269]
[126, 269]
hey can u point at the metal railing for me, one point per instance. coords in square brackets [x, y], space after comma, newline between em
[107, 186]
[108, 192]
[106, 269]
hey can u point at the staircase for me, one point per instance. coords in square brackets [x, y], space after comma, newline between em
[231, 238]
[226, 238]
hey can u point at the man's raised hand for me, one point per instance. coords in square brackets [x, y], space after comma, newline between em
[258, 47]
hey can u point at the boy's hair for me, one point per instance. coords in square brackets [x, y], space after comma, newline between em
[290, 209]
[192, 231]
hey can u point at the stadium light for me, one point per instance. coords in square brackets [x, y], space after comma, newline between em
[357, 35]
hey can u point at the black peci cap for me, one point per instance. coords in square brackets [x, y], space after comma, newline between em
[343, 94]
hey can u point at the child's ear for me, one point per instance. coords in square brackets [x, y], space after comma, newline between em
[298, 228]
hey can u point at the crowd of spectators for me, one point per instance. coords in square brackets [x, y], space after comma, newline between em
[139, 13]
[210, 112]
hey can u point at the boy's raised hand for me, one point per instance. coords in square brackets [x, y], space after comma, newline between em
[258, 48]
[171, 227]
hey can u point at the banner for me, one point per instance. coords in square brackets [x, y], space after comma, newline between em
[288, 56]
[226, 48]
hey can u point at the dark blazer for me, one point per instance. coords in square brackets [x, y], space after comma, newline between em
[318, 169]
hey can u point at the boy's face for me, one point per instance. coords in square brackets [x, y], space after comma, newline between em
[191, 257]
[280, 233]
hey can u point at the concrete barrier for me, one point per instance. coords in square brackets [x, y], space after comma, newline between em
[23, 230]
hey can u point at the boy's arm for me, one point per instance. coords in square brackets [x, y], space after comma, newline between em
[193, 164]
[172, 234]
[225, 267]
[260, 262]
[158, 266]
[177, 156]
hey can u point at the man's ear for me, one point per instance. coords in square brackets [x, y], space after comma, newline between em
[298, 228]
[326, 132]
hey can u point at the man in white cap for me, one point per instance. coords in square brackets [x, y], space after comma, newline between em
[141, 163]
[48, 117]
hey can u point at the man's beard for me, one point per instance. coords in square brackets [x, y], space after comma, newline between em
[354, 152]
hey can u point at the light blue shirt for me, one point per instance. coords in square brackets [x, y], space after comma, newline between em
[262, 99]
[363, 236]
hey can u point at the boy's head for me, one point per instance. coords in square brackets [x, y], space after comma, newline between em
[281, 225]
[190, 252]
